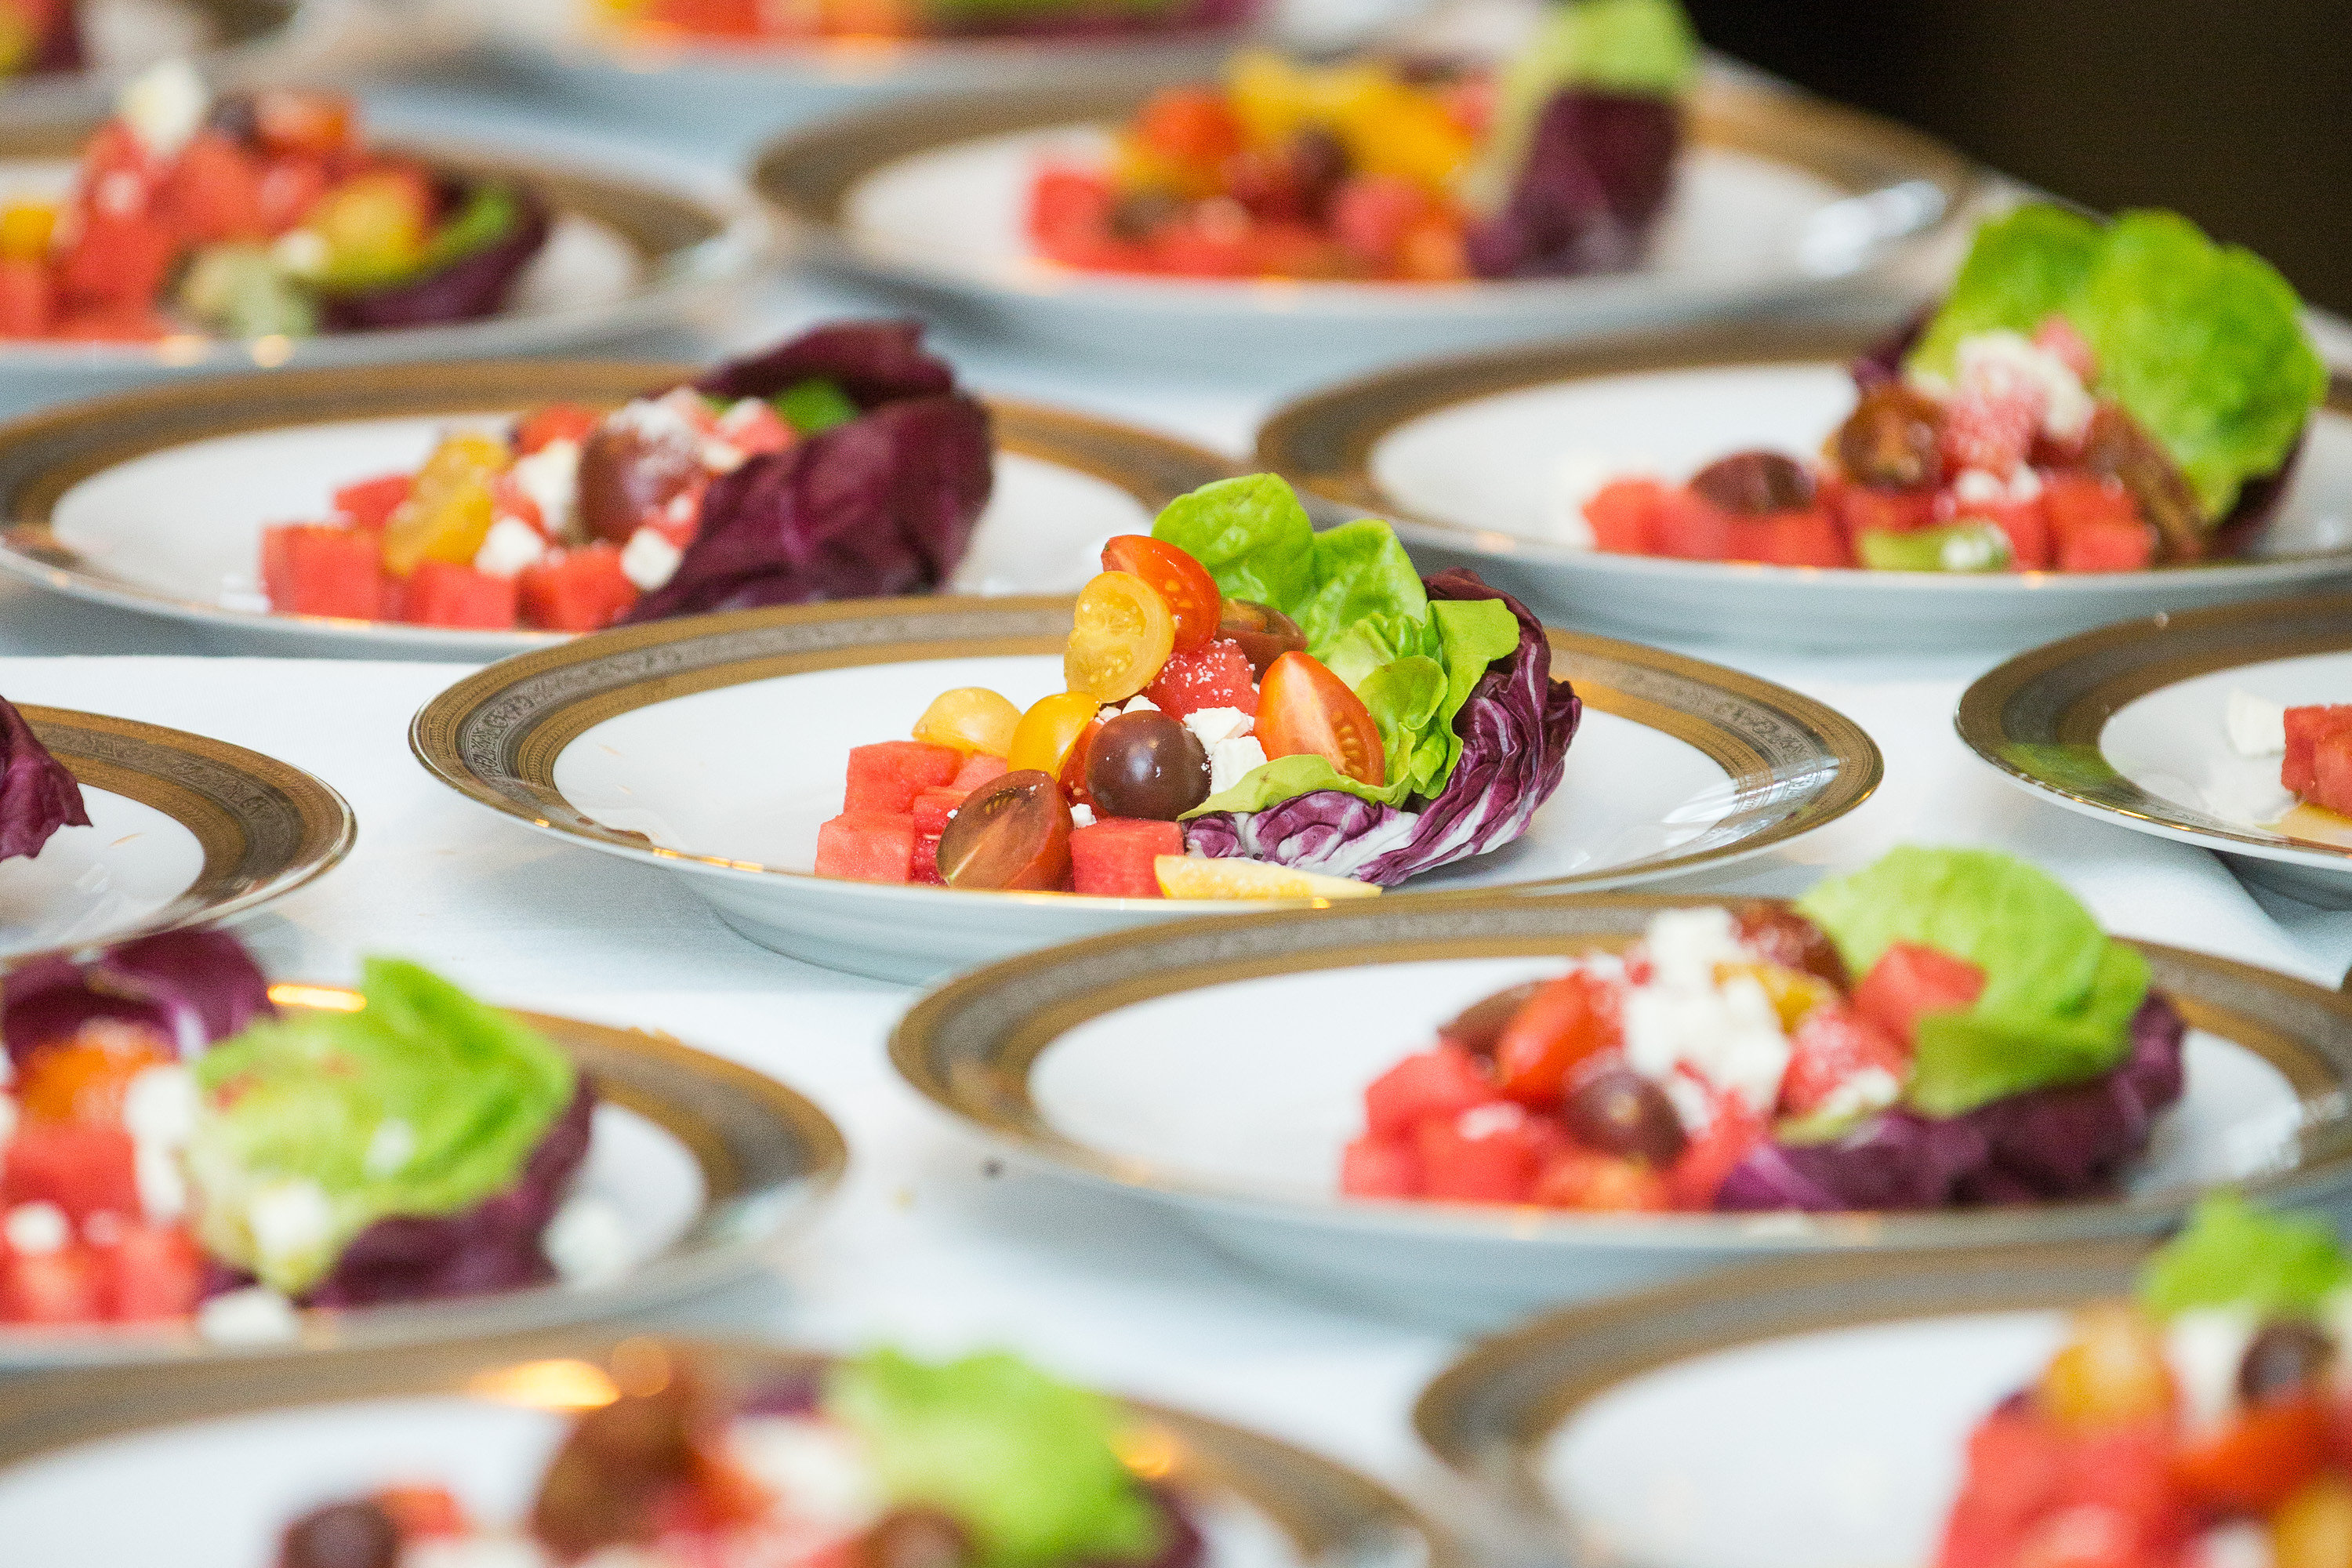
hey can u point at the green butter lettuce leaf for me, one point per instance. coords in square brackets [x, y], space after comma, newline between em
[1022, 1461]
[2059, 993]
[2024, 268]
[1360, 569]
[2233, 1255]
[813, 407]
[1253, 536]
[490, 214]
[312, 1127]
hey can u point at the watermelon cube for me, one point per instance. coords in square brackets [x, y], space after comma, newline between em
[932, 807]
[370, 503]
[1438, 1084]
[315, 569]
[84, 1168]
[2305, 728]
[925, 868]
[117, 261]
[2332, 765]
[1380, 1168]
[556, 422]
[2027, 524]
[60, 1287]
[1862, 509]
[576, 590]
[213, 191]
[2096, 525]
[150, 1273]
[1691, 529]
[1488, 1155]
[866, 847]
[442, 593]
[978, 769]
[1908, 981]
[888, 775]
[1707, 1161]
[1830, 1047]
[1112, 858]
[1803, 539]
[2016, 1462]
[1624, 516]
[28, 298]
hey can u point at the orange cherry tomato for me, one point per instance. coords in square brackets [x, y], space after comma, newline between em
[2258, 1460]
[1047, 734]
[1303, 709]
[1119, 637]
[1190, 591]
[85, 1080]
[1568, 1022]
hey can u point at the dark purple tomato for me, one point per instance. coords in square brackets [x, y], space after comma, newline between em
[342, 1535]
[623, 476]
[1893, 440]
[1481, 1024]
[1147, 765]
[1011, 832]
[2283, 1358]
[1264, 634]
[1755, 484]
[1784, 937]
[1618, 1111]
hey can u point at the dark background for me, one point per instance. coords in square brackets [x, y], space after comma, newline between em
[2237, 113]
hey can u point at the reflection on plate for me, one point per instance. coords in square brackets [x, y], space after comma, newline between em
[1794, 1415]
[1469, 457]
[2126, 724]
[704, 1163]
[714, 749]
[183, 830]
[155, 500]
[1784, 199]
[1219, 1068]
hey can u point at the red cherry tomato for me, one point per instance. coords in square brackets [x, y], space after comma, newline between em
[1182, 581]
[1564, 1025]
[1304, 709]
[2258, 1460]
[1011, 833]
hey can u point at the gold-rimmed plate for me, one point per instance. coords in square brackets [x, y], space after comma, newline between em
[155, 500]
[700, 1167]
[1782, 199]
[1219, 1069]
[715, 748]
[1486, 461]
[184, 830]
[221, 1460]
[2128, 724]
[1811, 1414]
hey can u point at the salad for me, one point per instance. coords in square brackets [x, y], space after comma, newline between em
[882, 1459]
[254, 214]
[741, 22]
[173, 1148]
[1251, 709]
[2092, 396]
[1394, 171]
[1945, 1028]
[841, 464]
[2203, 1422]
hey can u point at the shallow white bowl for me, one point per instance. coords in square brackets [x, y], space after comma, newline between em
[1470, 459]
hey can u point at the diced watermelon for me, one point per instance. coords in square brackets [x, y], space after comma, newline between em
[1069, 202]
[1991, 417]
[60, 1287]
[1689, 528]
[2096, 525]
[116, 262]
[2305, 728]
[1215, 675]
[150, 1273]
[556, 422]
[1908, 981]
[1489, 1155]
[510, 499]
[888, 775]
[1829, 1046]
[292, 185]
[2016, 1460]
[28, 298]
[932, 807]
[1380, 1168]
[1862, 509]
[1113, 858]
[1804, 539]
[444, 594]
[978, 769]
[578, 590]
[2027, 524]
[754, 429]
[1372, 214]
[370, 503]
[1188, 247]
[213, 193]
[317, 568]
[1695, 1177]
[866, 847]
[2332, 765]
[925, 866]
[1441, 1083]
[1623, 515]
[83, 1168]
[1581, 1179]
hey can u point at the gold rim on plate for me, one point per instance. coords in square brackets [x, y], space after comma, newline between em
[971, 1044]
[766, 1156]
[1328, 1512]
[1793, 763]
[42, 456]
[264, 826]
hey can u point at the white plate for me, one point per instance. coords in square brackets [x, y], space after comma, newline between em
[1783, 200]
[1220, 1071]
[220, 1466]
[1809, 1416]
[704, 1164]
[1468, 458]
[715, 748]
[155, 500]
[2126, 725]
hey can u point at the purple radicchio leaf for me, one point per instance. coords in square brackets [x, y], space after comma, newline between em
[192, 987]
[39, 794]
[471, 289]
[1515, 728]
[2070, 1140]
[1598, 168]
[872, 362]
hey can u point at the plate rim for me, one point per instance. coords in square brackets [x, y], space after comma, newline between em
[687, 1267]
[1855, 766]
[989, 1095]
[1322, 441]
[807, 175]
[46, 453]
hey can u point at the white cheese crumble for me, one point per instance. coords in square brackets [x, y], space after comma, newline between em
[1972, 551]
[304, 252]
[159, 1111]
[165, 106]
[1870, 1090]
[1215, 724]
[510, 546]
[660, 421]
[550, 477]
[2239, 1545]
[1141, 704]
[36, 1229]
[649, 559]
[254, 1316]
[289, 1219]
[1684, 946]
[2257, 725]
[1231, 761]
[2205, 1345]
[821, 1467]
[507, 1551]
[587, 1241]
[1976, 488]
[1999, 354]
[1082, 815]
[390, 1148]
[1729, 1035]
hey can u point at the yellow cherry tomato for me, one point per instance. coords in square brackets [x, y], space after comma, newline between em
[449, 512]
[2112, 1371]
[1270, 96]
[2313, 1529]
[971, 719]
[27, 230]
[1792, 992]
[1046, 732]
[1123, 633]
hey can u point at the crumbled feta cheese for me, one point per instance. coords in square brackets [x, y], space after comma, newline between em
[165, 106]
[1486, 1121]
[390, 1148]
[649, 559]
[159, 1111]
[1215, 724]
[550, 477]
[1728, 1035]
[1684, 946]
[288, 1220]
[304, 252]
[1141, 704]
[588, 1241]
[2243, 1543]
[256, 1315]
[1082, 815]
[508, 1551]
[36, 1229]
[2067, 406]
[1231, 761]
[723, 457]
[162, 1185]
[2025, 483]
[2205, 1345]
[1976, 488]
[1870, 1089]
[660, 421]
[510, 546]
[1965, 551]
[822, 1467]
[2257, 725]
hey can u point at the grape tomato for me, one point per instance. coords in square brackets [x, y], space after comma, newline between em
[1182, 584]
[1120, 635]
[1567, 1023]
[1262, 634]
[1013, 833]
[969, 719]
[1478, 1027]
[1146, 764]
[1303, 709]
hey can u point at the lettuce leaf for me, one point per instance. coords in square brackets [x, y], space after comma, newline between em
[1253, 536]
[2059, 993]
[1022, 1461]
[2024, 268]
[2233, 1255]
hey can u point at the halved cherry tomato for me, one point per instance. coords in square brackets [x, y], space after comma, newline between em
[2258, 1460]
[971, 719]
[1568, 1022]
[1043, 738]
[1013, 832]
[1190, 591]
[1303, 709]
[1073, 776]
[1121, 635]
